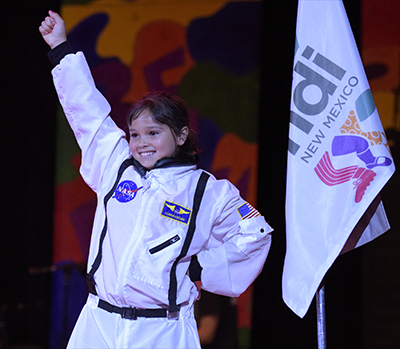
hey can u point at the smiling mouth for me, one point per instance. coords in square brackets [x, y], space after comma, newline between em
[148, 153]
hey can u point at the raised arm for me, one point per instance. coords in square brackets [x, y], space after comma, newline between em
[53, 30]
[86, 109]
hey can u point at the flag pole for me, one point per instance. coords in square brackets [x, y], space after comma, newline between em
[321, 324]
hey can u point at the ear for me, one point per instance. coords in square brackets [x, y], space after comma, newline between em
[181, 139]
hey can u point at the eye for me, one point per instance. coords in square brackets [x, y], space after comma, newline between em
[153, 133]
[134, 135]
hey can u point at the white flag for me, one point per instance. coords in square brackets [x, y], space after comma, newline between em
[338, 158]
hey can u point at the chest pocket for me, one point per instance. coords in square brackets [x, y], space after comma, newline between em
[154, 263]
[165, 244]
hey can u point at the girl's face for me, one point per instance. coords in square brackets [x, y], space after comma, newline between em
[151, 141]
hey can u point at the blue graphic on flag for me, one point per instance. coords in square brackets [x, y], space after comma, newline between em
[176, 212]
[247, 211]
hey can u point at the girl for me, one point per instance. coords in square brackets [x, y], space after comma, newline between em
[156, 213]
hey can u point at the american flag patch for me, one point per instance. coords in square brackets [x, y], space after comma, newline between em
[247, 211]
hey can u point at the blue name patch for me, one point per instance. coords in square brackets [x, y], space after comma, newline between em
[176, 212]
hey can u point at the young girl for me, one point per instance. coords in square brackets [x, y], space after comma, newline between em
[156, 213]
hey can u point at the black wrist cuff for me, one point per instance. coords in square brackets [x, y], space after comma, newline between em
[59, 52]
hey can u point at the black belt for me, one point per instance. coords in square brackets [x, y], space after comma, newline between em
[132, 313]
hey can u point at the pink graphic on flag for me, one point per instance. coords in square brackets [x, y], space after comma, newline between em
[329, 175]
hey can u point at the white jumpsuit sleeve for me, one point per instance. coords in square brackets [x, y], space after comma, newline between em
[87, 112]
[237, 250]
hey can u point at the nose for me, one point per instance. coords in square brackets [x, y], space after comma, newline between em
[143, 142]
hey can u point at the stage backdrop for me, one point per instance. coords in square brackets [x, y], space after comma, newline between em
[381, 259]
[381, 56]
[205, 51]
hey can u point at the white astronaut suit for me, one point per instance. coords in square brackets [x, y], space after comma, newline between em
[140, 226]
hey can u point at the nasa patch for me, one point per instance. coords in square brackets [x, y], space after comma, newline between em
[126, 191]
[176, 212]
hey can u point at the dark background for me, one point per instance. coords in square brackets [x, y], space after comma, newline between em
[28, 107]
[361, 287]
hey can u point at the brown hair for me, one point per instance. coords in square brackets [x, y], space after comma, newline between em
[168, 109]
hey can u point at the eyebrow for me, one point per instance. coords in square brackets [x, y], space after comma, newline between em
[148, 127]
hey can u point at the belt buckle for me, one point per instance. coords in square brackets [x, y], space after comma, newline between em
[129, 313]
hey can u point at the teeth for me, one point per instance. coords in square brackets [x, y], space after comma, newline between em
[146, 154]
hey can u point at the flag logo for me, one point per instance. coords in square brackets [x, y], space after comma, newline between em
[247, 211]
[353, 141]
